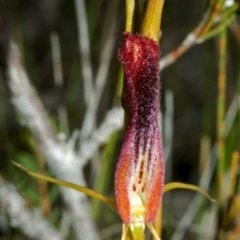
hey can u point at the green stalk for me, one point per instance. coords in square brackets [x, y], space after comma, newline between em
[130, 6]
[102, 182]
[152, 20]
[221, 86]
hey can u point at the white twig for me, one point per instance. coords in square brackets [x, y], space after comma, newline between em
[31, 222]
[168, 132]
[112, 123]
[58, 79]
[63, 161]
[100, 81]
[186, 44]
[84, 48]
[166, 61]
[194, 37]
[56, 56]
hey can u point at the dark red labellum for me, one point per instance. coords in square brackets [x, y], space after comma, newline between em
[140, 169]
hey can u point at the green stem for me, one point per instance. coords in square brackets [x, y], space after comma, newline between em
[221, 86]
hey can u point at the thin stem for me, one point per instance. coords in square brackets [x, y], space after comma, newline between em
[58, 80]
[221, 110]
[42, 185]
[233, 173]
[84, 49]
[217, 29]
[101, 77]
[124, 232]
[130, 5]
[63, 161]
[152, 19]
[206, 176]
[198, 35]
[215, 7]
[152, 230]
[158, 221]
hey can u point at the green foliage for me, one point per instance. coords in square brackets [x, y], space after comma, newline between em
[192, 79]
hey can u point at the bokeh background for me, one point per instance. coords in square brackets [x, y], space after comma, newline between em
[189, 101]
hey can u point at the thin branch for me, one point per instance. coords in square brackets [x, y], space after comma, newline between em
[58, 79]
[221, 102]
[62, 160]
[105, 58]
[31, 222]
[168, 126]
[84, 48]
[206, 28]
[190, 213]
[168, 133]
[112, 123]
[193, 207]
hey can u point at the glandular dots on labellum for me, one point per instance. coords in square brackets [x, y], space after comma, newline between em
[139, 176]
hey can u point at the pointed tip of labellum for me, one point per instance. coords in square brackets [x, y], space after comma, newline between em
[140, 170]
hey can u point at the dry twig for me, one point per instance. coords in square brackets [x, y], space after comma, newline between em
[31, 222]
[63, 161]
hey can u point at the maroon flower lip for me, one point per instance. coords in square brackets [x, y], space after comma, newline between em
[139, 176]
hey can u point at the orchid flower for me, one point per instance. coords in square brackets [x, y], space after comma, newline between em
[139, 178]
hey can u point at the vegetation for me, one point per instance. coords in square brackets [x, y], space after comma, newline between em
[69, 52]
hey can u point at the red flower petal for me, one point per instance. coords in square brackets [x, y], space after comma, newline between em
[139, 176]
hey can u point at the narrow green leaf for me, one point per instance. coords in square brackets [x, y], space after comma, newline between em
[111, 202]
[102, 182]
[174, 185]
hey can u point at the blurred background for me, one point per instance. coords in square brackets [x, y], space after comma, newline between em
[69, 52]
